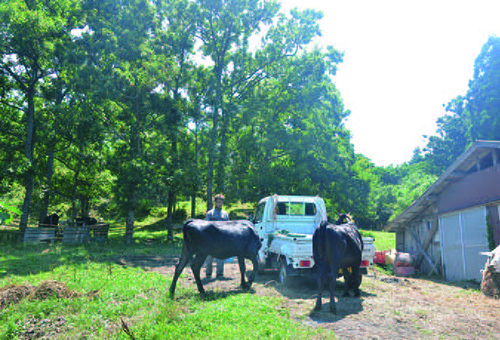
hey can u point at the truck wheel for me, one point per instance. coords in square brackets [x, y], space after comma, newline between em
[284, 276]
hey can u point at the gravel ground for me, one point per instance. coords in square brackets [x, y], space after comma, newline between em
[389, 307]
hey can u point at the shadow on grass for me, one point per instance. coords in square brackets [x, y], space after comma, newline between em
[159, 225]
[219, 295]
[28, 259]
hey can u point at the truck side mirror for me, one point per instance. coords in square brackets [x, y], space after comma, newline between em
[250, 218]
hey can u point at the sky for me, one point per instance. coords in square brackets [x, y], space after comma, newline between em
[403, 62]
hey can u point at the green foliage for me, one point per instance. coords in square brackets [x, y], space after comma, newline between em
[490, 235]
[473, 116]
[7, 213]
[414, 183]
[108, 109]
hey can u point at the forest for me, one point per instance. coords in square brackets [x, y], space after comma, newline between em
[113, 108]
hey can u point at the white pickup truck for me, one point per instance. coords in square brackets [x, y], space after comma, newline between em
[285, 225]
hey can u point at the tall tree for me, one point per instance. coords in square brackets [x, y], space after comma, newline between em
[473, 116]
[483, 97]
[176, 43]
[30, 33]
[119, 39]
[227, 27]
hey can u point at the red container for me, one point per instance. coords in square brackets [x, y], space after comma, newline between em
[404, 271]
[379, 257]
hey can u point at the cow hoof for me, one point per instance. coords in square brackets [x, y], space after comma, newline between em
[246, 286]
[357, 294]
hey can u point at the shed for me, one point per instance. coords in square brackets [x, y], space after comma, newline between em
[456, 217]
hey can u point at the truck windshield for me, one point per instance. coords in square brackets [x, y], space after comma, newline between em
[259, 213]
[295, 209]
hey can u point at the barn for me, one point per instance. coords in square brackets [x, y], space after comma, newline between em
[456, 218]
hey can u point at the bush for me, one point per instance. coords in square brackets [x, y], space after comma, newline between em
[179, 216]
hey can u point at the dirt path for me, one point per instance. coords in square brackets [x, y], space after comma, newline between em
[389, 307]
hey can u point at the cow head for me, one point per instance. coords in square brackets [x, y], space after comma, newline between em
[493, 258]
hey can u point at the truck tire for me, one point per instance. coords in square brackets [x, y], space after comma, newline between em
[284, 275]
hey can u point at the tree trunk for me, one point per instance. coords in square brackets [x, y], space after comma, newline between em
[48, 192]
[75, 181]
[221, 173]
[26, 205]
[170, 205]
[29, 153]
[213, 139]
[193, 205]
[195, 184]
[129, 226]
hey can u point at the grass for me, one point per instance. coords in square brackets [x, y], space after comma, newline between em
[382, 240]
[114, 298]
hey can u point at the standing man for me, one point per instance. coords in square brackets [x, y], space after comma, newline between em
[216, 214]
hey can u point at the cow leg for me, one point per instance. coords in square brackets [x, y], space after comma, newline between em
[196, 267]
[332, 278]
[183, 261]
[243, 268]
[356, 281]
[209, 266]
[255, 264]
[347, 281]
[320, 280]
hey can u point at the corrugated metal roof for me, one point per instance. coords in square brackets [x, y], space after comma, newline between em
[456, 171]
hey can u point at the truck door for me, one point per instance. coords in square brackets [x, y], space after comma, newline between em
[258, 222]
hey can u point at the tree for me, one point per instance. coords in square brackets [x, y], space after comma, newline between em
[119, 40]
[176, 44]
[483, 97]
[226, 29]
[473, 116]
[30, 34]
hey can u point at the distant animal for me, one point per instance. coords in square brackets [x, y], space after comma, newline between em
[490, 283]
[220, 239]
[51, 221]
[85, 221]
[337, 247]
[344, 219]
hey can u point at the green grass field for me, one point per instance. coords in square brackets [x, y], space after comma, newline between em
[382, 239]
[112, 299]
[116, 302]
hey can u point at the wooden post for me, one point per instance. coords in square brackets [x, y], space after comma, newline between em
[420, 249]
[427, 241]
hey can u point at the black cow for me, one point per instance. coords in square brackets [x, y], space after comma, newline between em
[51, 221]
[337, 247]
[85, 221]
[222, 240]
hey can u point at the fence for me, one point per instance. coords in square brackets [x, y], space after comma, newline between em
[50, 234]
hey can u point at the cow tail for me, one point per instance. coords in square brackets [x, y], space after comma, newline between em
[322, 240]
[187, 241]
